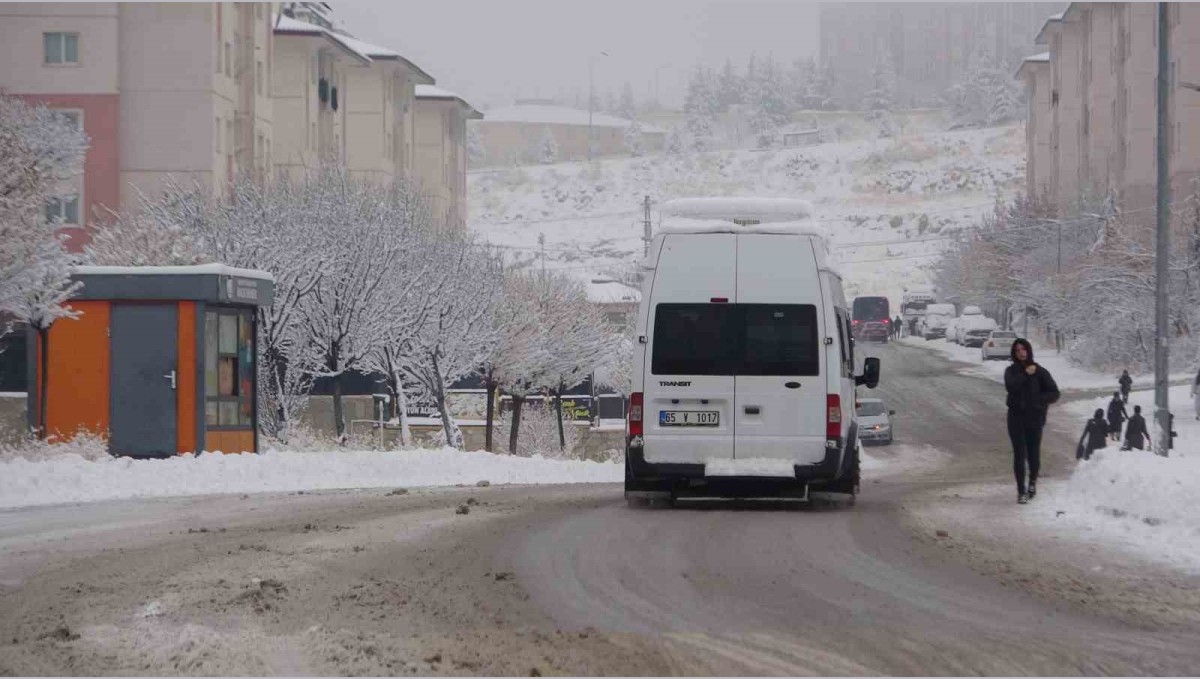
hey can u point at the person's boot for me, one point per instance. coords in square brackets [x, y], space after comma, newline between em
[1032, 489]
[1023, 498]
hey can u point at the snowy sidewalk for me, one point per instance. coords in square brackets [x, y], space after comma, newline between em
[1067, 376]
[72, 478]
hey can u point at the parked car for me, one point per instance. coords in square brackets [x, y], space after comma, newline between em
[972, 310]
[874, 421]
[745, 365]
[974, 332]
[998, 345]
[933, 325]
[874, 331]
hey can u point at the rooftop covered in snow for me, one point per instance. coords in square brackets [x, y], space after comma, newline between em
[608, 291]
[549, 114]
[430, 92]
[1043, 37]
[739, 208]
[361, 50]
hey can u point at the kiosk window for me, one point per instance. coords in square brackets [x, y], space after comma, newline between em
[228, 368]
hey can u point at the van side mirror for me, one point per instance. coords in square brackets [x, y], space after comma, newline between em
[870, 375]
[891, 412]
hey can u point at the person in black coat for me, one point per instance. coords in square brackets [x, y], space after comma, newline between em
[1116, 416]
[1136, 434]
[1095, 436]
[1031, 389]
[1126, 383]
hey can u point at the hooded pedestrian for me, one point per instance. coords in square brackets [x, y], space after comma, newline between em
[1095, 436]
[1196, 395]
[1126, 383]
[1031, 389]
[1136, 434]
[1116, 416]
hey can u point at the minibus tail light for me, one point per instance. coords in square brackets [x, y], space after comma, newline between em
[635, 414]
[833, 417]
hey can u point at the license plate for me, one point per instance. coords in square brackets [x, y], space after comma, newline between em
[689, 418]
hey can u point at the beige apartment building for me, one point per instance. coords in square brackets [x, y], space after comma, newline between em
[441, 151]
[208, 92]
[161, 89]
[1092, 115]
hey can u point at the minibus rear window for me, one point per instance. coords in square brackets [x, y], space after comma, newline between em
[780, 339]
[694, 339]
[735, 339]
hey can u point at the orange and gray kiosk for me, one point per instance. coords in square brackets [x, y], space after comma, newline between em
[160, 361]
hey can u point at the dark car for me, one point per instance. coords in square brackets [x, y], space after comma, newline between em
[874, 331]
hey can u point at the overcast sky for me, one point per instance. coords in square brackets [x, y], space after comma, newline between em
[493, 51]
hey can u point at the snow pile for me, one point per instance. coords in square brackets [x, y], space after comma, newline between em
[1066, 374]
[74, 479]
[1133, 500]
[84, 445]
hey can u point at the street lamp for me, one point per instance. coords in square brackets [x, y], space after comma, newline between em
[592, 98]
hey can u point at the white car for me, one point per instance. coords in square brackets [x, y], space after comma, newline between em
[874, 421]
[744, 344]
[933, 325]
[998, 345]
[974, 331]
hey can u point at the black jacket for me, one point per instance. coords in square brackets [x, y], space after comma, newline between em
[1029, 394]
[1125, 381]
[1095, 435]
[1116, 412]
[1136, 434]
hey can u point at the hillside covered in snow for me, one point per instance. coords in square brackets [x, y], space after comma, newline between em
[888, 205]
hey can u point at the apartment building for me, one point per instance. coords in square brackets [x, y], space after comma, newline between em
[341, 99]
[441, 151]
[1092, 125]
[161, 89]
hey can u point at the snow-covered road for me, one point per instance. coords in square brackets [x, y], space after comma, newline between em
[926, 575]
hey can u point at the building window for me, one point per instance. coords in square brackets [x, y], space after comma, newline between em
[64, 210]
[228, 368]
[60, 48]
[258, 77]
[229, 142]
[228, 68]
[217, 136]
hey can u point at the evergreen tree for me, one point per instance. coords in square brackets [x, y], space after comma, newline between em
[768, 104]
[729, 87]
[985, 95]
[820, 89]
[628, 106]
[634, 143]
[476, 151]
[799, 83]
[548, 148]
[882, 95]
[701, 105]
[675, 141]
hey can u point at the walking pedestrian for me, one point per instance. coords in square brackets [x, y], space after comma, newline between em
[1196, 394]
[1116, 416]
[1095, 436]
[1136, 434]
[1126, 383]
[1031, 389]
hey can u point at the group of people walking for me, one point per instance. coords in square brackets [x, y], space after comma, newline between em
[1032, 389]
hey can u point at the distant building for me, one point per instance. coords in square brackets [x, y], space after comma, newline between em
[930, 44]
[1092, 129]
[513, 133]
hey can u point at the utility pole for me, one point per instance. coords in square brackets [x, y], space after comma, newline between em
[542, 247]
[647, 235]
[1162, 417]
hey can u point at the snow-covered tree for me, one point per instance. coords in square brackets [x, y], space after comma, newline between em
[547, 152]
[767, 97]
[39, 151]
[675, 141]
[701, 106]
[986, 94]
[881, 97]
[476, 151]
[799, 82]
[580, 341]
[729, 86]
[820, 90]
[635, 144]
[627, 107]
[459, 334]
